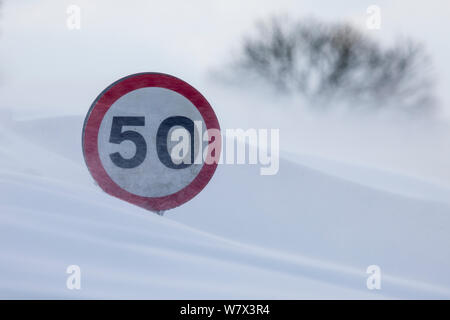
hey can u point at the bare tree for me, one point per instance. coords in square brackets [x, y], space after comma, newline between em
[335, 62]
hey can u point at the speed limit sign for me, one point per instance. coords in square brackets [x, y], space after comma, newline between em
[145, 138]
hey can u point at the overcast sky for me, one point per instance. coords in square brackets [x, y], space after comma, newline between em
[47, 68]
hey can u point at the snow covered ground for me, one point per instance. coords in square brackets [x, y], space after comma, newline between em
[352, 190]
[308, 232]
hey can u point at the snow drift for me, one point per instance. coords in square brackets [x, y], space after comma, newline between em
[308, 232]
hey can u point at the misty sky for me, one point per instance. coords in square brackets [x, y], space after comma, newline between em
[45, 67]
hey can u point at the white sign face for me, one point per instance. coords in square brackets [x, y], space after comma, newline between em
[151, 178]
[143, 140]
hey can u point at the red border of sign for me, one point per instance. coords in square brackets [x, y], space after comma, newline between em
[92, 125]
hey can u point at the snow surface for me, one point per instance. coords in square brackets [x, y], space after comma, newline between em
[308, 232]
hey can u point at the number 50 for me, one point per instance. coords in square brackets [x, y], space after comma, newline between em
[117, 136]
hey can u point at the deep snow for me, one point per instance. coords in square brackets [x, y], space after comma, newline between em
[308, 232]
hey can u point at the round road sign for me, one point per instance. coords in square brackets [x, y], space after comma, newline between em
[132, 136]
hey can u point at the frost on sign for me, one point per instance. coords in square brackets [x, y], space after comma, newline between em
[145, 138]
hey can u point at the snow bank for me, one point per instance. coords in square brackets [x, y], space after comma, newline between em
[308, 232]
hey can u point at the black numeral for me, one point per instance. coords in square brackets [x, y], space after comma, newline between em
[161, 140]
[117, 136]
